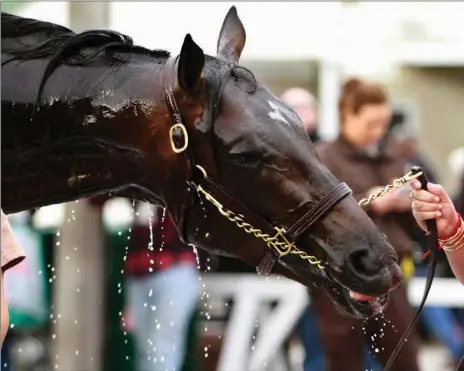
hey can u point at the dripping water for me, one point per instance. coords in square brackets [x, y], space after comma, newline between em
[150, 225]
[204, 295]
[122, 314]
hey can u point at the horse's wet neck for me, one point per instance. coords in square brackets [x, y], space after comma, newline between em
[54, 176]
[49, 180]
[74, 154]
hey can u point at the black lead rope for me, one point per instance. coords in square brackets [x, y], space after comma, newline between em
[434, 249]
[460, 364]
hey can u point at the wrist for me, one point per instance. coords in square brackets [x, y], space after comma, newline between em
[455, 229]
[454, 241]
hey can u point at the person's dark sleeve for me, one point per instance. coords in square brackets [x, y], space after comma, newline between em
[322, 149]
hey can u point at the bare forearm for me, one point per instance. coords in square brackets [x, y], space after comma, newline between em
[456, 261]
[4, 311]
[454, 249]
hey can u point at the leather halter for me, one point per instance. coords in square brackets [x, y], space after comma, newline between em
[197, 179]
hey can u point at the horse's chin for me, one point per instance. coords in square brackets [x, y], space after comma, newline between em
[363, 308]
[347, 301]
[353, 304]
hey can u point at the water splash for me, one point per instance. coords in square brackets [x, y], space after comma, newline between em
[150, 225]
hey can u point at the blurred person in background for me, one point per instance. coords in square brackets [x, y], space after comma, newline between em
[305, 105]
[361, 158]
[407, 142]
[12, 255]
[162, 290]
[5, 358]
[25, 290]
[440, 321]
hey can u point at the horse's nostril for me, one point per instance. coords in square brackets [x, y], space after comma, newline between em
[362, 262]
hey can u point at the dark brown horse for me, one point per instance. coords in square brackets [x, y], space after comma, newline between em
[90, 113]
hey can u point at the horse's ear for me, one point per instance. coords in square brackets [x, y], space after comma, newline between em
[191, 63]
[232, 37]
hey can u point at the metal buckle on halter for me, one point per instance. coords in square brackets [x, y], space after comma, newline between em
[171, 137]
[280, 243]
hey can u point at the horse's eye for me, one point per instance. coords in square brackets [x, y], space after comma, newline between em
[234, 76]
[247, 158]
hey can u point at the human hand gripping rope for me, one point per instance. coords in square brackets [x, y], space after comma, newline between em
[435, 213]
[435, 203]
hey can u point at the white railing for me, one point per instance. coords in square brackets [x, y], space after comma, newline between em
[250, 292]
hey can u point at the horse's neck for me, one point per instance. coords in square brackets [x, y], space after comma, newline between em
[76, 147]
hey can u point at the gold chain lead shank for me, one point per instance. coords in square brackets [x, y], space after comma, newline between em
[279, 243]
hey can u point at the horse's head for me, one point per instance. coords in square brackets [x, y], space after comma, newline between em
[249, 143]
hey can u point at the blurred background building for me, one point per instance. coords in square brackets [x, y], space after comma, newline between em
[415, 49]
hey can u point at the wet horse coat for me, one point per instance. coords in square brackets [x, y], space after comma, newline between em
[86, 114]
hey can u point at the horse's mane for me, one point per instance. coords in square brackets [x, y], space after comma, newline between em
[14, 26]
[66, 47]
[69, 45]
